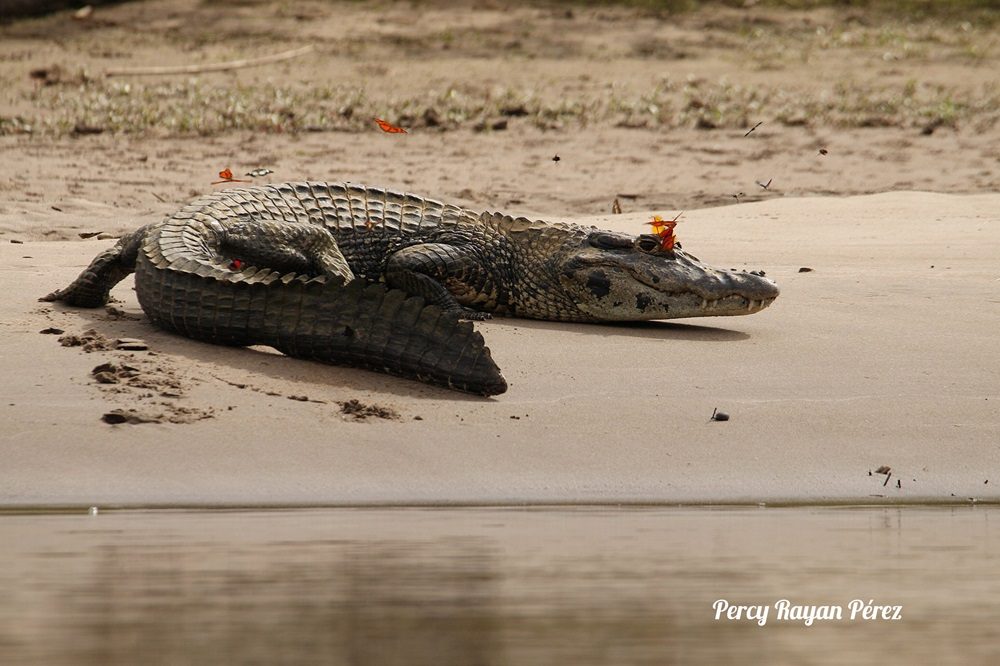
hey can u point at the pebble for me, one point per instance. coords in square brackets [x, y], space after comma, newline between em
[719, 416]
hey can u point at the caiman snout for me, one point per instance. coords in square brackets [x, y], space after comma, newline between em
[752, 285]
[737, 292]
[611, 283]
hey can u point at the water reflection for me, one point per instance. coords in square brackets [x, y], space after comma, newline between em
[284, 602]
[490, 586]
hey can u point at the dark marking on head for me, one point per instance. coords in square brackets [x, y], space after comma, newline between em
[599, 284]
[642, 301]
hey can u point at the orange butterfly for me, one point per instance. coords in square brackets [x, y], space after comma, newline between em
[665, 230]
[227, 177]
[389, 127]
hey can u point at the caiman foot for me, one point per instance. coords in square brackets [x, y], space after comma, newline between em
[93, 286]
[78, 295]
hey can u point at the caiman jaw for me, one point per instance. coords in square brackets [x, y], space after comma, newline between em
[718, 307]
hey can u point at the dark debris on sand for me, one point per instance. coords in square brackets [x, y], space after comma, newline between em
[359, 411]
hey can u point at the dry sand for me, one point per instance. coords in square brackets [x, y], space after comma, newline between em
[884, 355]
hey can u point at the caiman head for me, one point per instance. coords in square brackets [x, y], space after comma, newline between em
[613, 276]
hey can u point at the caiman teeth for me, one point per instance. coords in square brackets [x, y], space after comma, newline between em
[752, 304]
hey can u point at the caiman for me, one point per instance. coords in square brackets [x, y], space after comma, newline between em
[372, 278]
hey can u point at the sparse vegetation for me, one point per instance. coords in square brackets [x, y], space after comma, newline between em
[194, 108]
[985, 11]
[751, 35]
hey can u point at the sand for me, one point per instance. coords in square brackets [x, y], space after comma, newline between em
[883, 355]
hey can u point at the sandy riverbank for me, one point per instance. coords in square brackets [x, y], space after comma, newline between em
[884, 354]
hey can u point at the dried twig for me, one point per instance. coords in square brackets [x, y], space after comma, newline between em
[216, 67]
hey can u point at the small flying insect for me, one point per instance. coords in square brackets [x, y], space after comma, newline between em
[765, 185]
[664, 229]
[227, 177]
[389, 127]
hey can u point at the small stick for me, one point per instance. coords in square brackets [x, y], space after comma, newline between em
[217, 67]
[753, 128]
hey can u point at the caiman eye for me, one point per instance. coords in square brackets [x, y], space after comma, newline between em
[648, 243]
[610, 241]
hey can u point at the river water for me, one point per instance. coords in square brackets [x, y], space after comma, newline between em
[498, 585]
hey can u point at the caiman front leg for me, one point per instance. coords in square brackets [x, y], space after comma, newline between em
[93, 286]
[426, 270]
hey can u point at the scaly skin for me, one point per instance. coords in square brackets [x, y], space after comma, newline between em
[371, 278]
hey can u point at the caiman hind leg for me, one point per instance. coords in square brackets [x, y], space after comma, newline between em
[348, 321]
[428, 269]
[305, 249]
[93, 286]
